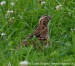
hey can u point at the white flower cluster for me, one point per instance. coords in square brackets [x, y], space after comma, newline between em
[9, 64]
[58, 7]
[43, 2]
[73, 29]
[2, 3]
[24, 63]
[3, 34]
[12, 3]
[8, 13]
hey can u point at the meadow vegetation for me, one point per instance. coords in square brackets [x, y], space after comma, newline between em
[19, 18]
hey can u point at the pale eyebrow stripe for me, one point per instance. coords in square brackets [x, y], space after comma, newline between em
[41, 18]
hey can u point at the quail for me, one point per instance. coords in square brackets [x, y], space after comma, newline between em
[41, 33]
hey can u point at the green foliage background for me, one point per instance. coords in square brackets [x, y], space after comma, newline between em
[26, 16]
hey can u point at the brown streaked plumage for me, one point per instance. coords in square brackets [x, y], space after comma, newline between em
[41, 32]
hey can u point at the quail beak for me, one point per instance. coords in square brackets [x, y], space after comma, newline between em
[50, 17]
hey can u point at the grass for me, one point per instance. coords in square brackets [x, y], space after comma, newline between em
[22, 22]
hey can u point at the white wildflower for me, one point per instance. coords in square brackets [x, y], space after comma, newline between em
[13, 17]
[3, 34]
[24, 63]
[9, 64]
[73, 29]
[58, 7]
[10, 11]
[12, 3]
[43, 2]
[3, 3]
